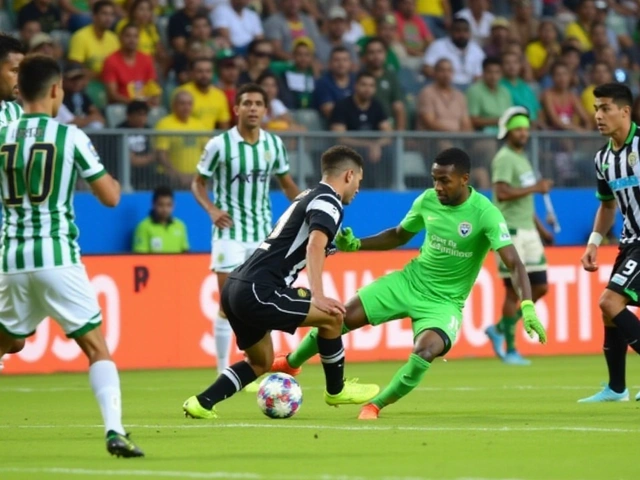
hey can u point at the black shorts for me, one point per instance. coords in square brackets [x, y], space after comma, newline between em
[255, 309]
[625, 276]
[535, 278]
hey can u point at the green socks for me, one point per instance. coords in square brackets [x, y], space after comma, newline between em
[507, 326]
[308, 348]
[405, 380]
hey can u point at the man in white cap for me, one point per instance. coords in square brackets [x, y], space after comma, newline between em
[514, 183]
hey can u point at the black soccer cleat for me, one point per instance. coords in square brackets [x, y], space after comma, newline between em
[121, 446]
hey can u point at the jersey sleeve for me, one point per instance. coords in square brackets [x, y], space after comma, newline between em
[502, 170]
[324, 213]
[281, 165]
[495, 228]
[603, 190]
[86, 158]
[413, 221]
[210, 158]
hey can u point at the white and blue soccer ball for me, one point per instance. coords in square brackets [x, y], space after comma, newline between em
[279, 396]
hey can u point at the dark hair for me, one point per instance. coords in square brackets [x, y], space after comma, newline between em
[441, 61]
[596, 25]
[100, 4]
[266, 74]
[456, 157]
[337, 158]
[162, 191]
[339, 49]
[196, 61]
[135, 4]
[618, 92]
[137, 106]
[9, 44]
[35, 76]
[253, 45]
[489, 61]
[362, 74]
[557, 65]
[251, 88]
[460, 21]
[201, 16]
[600, 63]
[128, 26]
[372, 41]
[569, 49]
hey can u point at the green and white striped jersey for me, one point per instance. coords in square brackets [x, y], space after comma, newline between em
[9, 112]
[241, 174]
[39, 163]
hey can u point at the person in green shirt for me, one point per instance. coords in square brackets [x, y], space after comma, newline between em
[514, 183]
[160, 232]
[487, 99]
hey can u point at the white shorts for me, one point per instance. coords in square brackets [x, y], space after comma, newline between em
[530, 250]
[227, 255]
[64, 294]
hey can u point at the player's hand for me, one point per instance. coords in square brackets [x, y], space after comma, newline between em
[328, 305]
[531, 321]
[590, 258]
[544, 185]
[346, 241]
[221, 219]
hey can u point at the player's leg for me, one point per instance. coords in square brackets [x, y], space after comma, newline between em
[17, 344]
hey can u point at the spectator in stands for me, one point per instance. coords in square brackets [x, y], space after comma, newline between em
[413, 33]
[362, 112]
[278, 116]
[354, 29]
[238, 24]
[179, 28]
[526, 73]
[436, 14]
[182, 60]
[161, 232]
[498, 39]
[388, 90]
[570, 56]
[77, 102]
[43, 12]
[397, 56]
[617, 32]
[297, 76]
[522, 94]
[441, 106]
[379, 10]
[79, 12]
[210, 105]
[260, 53]
[44, 44]
[334, 37]
[179, 154]
[228, 73]
[599, 41]
[479, 18]
[599, 75]
[29, 29]
[545, 51]
[92, 44]
[202, 31]
[335, 85]
[581, 28]
[465, 54]
[129, 74]
[488, 99]
[141, 15]
[289, 23]
[562, 107]
[524, 26]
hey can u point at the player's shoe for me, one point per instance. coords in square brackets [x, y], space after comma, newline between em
[193, 409]
[497, 340]
[121, 445]
[252, 387]
[369, 412]
[638, 397]
[514, 358]
[607, 395]
[353, 393]
[281, 364]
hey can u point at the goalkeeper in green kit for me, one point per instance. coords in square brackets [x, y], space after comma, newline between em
[462, 226]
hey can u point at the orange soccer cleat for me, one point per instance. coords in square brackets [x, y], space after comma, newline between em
[369, 412]
[280, 364]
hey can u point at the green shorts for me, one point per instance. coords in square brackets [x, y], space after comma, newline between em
[392, 297]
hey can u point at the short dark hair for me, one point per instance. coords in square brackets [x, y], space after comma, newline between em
[161, 191]
[557, 65]
[337, 158]
[137, 106]
[100, 4]
[489, 61]
[618, 92]
[253, 45]
[198, 60]
[128, 26]
[339, 49]
[201, 16]
[8, 45]
[597, 25]
[373, 40]
[362, 74]
[251, 88]
[135, 4]
[266, 74]
[37, 73]
[570, 49]
[460, 21]
[456, 157]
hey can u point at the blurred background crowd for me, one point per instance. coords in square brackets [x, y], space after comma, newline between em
[432, 73]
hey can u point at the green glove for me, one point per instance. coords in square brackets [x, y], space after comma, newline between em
[346, 241]
[531, 321]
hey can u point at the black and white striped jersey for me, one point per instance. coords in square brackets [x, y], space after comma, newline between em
[618, 174]
[283, 254]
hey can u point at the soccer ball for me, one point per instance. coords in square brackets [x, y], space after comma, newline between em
[279, 396]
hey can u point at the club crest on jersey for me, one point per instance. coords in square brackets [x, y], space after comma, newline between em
[633, 159]
[302, 293]
[92, 149]
[267, 156]
[464, 229]
[220, 257]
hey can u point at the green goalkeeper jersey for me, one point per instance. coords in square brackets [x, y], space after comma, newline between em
[457, 241]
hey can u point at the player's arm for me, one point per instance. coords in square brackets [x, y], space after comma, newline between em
[88, 164]
[388, 239]
[288, 186]
[506, 192]
[519, 276]
[206, 166]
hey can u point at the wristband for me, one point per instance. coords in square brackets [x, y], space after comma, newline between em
[526, 303]
[595, 238]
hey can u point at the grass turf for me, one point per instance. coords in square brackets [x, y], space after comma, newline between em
[471, 419]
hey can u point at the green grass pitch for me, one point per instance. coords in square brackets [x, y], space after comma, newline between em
[470, 419]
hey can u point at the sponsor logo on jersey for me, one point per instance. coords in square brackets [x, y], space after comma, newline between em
[464, 229]
[504, 232]
[252, 176]
[633, 159]
[302, 293]
[619, 279]
[622, 183]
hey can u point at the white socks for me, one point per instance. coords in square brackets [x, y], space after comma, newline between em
[222, 335]
[105, 384]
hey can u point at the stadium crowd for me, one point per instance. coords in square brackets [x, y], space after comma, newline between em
[340, 65]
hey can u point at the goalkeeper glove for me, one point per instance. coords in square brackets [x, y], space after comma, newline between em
[531, 321]
[346, 241]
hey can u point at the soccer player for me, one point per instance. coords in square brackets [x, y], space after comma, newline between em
[241, 162]
[514, 183]
[258, 296]
[42, 274]
[462, 225]
[618, 173]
